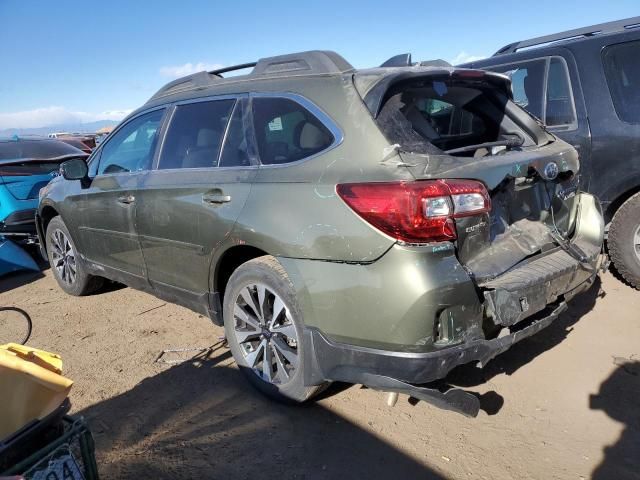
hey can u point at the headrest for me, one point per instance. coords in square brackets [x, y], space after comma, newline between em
[311, 136]
[207, 138]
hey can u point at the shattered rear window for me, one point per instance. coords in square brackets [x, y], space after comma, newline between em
[433, 116]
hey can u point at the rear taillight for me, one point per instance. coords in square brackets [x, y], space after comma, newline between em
[416, 212]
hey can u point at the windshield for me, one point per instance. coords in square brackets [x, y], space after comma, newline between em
[37, 149]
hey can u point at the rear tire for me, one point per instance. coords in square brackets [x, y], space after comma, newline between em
[624, 241]
[67, 267]
[263, 326]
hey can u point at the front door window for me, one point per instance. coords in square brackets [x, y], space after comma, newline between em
[131, 148]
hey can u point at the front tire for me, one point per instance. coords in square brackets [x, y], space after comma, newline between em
[624, 241]
[67, 267]
[263, 326]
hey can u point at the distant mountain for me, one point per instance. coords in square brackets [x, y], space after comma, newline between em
[71, 127]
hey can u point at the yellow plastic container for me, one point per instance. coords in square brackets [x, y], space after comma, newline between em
[31, 386]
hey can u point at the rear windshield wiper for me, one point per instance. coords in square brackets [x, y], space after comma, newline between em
[510, 141]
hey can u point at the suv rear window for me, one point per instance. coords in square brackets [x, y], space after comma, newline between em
[29, 168]
[38, 149]
[622, 70]
[286, 131]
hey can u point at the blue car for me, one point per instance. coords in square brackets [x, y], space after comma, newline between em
[27, 165]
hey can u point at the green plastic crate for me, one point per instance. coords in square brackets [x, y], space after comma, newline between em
[71, 455]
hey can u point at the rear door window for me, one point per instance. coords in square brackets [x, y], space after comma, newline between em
[195, 135]
[286, 131]
[131, 148]
[622, 69]
[542, 87]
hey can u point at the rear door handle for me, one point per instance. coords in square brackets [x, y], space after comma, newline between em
[213, 198]
[126, 199]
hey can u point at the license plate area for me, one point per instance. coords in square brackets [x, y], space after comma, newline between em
[61, 465]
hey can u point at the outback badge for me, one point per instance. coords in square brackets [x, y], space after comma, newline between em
[551, 170]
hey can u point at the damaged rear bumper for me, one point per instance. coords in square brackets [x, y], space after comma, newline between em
[354, 364]
[523, 301]
[561, 273]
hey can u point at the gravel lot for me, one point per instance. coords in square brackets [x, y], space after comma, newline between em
[564, 404]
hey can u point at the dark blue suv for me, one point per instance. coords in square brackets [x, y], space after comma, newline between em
[585, 85]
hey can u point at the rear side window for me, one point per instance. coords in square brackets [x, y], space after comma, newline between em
[286, 131]
[622, 69]
[542, 88]
[559, 108]
[527, 83]
[195, 135]
[131, 148]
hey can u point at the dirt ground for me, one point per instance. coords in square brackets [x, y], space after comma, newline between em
[564, 404]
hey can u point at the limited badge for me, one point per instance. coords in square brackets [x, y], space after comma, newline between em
[551, 170]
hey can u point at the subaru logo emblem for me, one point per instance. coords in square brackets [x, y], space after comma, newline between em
[551, 170]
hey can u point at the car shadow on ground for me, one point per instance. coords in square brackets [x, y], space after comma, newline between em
[202, 420]
[528, 349]
[18, 279]
[619, 398]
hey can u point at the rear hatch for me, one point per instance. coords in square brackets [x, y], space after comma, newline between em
[24, 179]
[27, 165]
[448, 123]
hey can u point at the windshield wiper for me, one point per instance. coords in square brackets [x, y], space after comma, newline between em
[510, 141]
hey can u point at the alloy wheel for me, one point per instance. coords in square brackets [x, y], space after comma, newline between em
[64, 258]
[265, 331]
[636, 242]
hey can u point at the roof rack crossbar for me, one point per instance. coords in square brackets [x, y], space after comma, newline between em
[601, 28]
[242, 66]
[315, 62]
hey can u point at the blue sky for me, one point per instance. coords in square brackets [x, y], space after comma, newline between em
[65, 61]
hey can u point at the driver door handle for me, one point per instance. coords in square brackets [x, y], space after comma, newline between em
[126, 199]
[214, 198]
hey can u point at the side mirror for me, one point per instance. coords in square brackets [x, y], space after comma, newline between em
[75, 169]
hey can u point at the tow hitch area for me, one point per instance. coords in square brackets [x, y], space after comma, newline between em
[453, 399]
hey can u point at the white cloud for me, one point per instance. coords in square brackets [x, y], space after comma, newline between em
[177, 71]
[54, 115]
[464, 57]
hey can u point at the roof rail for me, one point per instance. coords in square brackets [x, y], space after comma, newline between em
[599, 29]
[218, 72]
[314, 62]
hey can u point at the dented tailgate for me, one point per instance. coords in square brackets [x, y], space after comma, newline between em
[530, 287]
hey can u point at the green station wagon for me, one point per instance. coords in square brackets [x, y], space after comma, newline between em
[377, 226]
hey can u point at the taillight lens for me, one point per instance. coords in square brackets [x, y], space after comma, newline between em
[416, 212]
